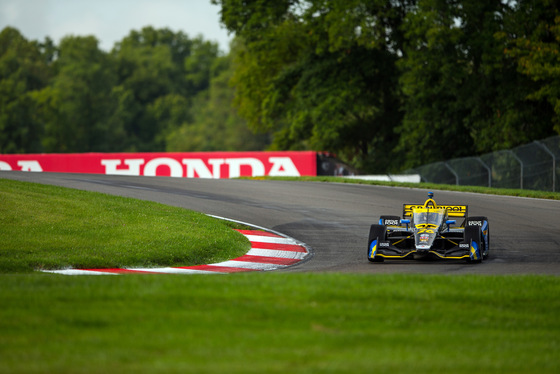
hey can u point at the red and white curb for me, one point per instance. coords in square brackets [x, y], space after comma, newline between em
[269, 251]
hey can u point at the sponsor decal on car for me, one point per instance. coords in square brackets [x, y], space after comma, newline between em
[391, 222]
[450, 208]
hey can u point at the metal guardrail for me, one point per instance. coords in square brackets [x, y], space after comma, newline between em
[532, 166]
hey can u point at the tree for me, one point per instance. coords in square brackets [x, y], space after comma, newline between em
[437, 69]
[320, 74]
[463, 94]
[535, 46]
[215, 124]
[396, 83]
[500, 115]
[78, 104]
[198, 65]
[148, 68]
[160, 73]
[24, 69]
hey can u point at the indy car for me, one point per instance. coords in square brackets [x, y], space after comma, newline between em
[430, 231]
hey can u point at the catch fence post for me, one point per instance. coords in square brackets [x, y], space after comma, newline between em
[488, 170]
[547, 150]
[520, 163]
[452, 172]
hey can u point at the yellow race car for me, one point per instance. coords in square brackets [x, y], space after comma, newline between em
[430, 231]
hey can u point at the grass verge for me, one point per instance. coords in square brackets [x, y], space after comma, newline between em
[448, 187]
[279, 323]
[240, 323]
[49, 227]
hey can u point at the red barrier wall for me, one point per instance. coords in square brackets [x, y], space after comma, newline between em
[187, 165]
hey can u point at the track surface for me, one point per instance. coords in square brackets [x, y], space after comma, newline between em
[334, 219]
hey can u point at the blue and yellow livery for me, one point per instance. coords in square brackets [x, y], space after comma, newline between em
[430, 230]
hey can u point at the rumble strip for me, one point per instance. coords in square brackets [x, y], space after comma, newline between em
[269, 251]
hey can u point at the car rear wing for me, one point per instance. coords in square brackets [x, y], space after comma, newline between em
[452, 210]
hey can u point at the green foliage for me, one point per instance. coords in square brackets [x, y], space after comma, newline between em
[151, 75]
[215, 124]
[77, 98]
[199, 65]
[434, 70]
[280, 323]
[394, 84]
[384, 84]
[46, 227]
[315, 84]
[500, 114]
[537, 52]
[23, 71]
[78, 103]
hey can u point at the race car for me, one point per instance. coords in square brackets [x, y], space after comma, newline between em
[429, 231]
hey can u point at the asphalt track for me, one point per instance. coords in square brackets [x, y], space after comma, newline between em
[333, 219]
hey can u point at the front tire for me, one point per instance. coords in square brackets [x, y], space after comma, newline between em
[485, 227]
[376, 232]
[473, 236]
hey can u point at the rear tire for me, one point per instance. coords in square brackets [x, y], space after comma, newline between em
[376, 232]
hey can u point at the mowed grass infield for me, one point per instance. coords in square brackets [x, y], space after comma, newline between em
[49, 227]
[270, 322]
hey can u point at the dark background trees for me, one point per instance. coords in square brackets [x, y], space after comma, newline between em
[157, 90]
[390, 84]
[24, 69]
[384, 84]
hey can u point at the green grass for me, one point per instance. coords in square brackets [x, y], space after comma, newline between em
[270, 322]
[48, 227]
[279, 323]
[433, 186]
